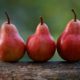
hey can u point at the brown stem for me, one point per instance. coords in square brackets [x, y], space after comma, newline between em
[8, 19]
[41, 19]
[74, 15]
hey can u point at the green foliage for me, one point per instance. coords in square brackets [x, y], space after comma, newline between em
[25, 14]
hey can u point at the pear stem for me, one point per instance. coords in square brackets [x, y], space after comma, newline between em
[74, 15]
[8, 18]
[41, 19]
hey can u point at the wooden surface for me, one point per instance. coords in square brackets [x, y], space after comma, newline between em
[40, 71]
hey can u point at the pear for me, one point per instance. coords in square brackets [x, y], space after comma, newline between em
[12, 46]
[41, 45]
[68, 44]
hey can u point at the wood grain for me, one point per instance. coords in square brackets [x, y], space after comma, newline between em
[40, 71]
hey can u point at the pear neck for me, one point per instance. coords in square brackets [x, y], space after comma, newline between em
[9, 29]
[42, 29]
[73, 27]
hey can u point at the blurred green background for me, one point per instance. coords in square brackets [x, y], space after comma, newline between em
[25, 15]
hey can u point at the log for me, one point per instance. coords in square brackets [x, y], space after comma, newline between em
[40, 71]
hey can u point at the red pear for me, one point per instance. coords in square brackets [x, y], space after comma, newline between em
[12, 46]
[41, 46]
[68, 44]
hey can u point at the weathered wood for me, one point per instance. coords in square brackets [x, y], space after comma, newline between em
[40, 71]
